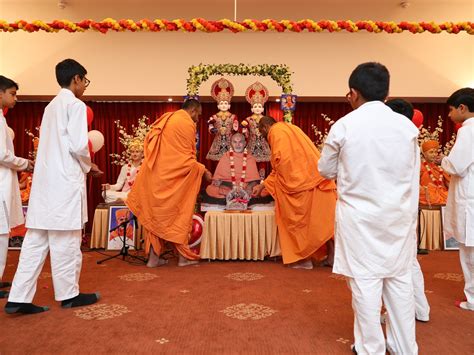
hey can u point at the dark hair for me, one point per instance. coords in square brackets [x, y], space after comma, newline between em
[371, 80]
[401, 106]
[67, 70]
[6, 83]
[463, 96]
[191, 104]
[266, 121]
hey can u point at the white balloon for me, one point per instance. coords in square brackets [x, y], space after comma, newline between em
[97, 140]
[11, 133]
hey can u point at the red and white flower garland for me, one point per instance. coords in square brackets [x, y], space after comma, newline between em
[232, 168]
[129, 169]
[439, 180]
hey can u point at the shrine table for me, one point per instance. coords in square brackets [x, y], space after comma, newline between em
[239, 236]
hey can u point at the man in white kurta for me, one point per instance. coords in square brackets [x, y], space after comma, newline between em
[459, 213]
[57, 207]
[373, 154]
[11, 214]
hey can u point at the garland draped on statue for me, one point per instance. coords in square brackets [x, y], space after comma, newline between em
[27, 115]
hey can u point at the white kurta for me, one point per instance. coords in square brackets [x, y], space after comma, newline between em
[459, 212]
[11, 214]
[374, 155]
[58, 199]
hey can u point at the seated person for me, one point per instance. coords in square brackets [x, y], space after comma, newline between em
[434, 181]
[235, 169]
[128, 173]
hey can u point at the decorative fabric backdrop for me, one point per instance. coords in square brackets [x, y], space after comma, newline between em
[27, 115]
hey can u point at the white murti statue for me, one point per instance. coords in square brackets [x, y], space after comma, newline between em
[223, 124]
[256, 95]
[119, 191]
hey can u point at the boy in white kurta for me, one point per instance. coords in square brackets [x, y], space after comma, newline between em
[11, 214]
[57, 207]
[459, 213]
[373, 153]
[422, 307]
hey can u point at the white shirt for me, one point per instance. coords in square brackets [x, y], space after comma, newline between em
[11, 214]
[58, 199]
[459, 212]
[374, 155]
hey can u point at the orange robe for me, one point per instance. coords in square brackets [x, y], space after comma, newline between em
[165, 190]
[433, 192]
[305, 201]
[222, 173]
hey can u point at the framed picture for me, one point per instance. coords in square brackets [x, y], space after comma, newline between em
[121, 225]
[17, 234]
[449, 243]
[288, 102]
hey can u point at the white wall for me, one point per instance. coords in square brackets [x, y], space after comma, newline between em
[155, 64]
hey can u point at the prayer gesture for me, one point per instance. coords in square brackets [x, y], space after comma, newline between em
[207, 176]
[257, 190]
[31, 165]
[438, 159]
[95, 171]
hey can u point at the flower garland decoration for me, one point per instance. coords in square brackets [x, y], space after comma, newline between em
[280, 73]
[232, 169]
[129, 170]
[248, 25]
[320, 136]
[136, 137]
[439, 181]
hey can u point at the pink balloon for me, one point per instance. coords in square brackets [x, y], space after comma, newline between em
[417, 118]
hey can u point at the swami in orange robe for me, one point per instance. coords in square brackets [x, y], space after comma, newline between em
[434, 181]
[165, 190]
[305, 201]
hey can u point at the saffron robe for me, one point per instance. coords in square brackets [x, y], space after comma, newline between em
[305, 201]
[164, 194]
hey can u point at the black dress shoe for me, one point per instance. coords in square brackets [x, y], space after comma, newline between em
[24, 308]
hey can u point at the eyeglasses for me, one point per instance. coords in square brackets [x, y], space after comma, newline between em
[86, 82]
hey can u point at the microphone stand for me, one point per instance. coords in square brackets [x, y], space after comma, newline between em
[124, 251]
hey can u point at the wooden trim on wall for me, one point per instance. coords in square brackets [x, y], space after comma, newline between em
[104, 98]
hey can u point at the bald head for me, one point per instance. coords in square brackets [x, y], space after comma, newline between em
[193, 107]
[264, 125]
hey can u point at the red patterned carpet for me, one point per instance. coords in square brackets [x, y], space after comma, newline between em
[222, 308]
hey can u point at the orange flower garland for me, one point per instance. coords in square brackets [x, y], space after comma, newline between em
[202, 25]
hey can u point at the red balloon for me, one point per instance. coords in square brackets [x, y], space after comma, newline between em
[417, 118]
[457, 126]
[5, 110]
[90, 116]
[196, 231]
